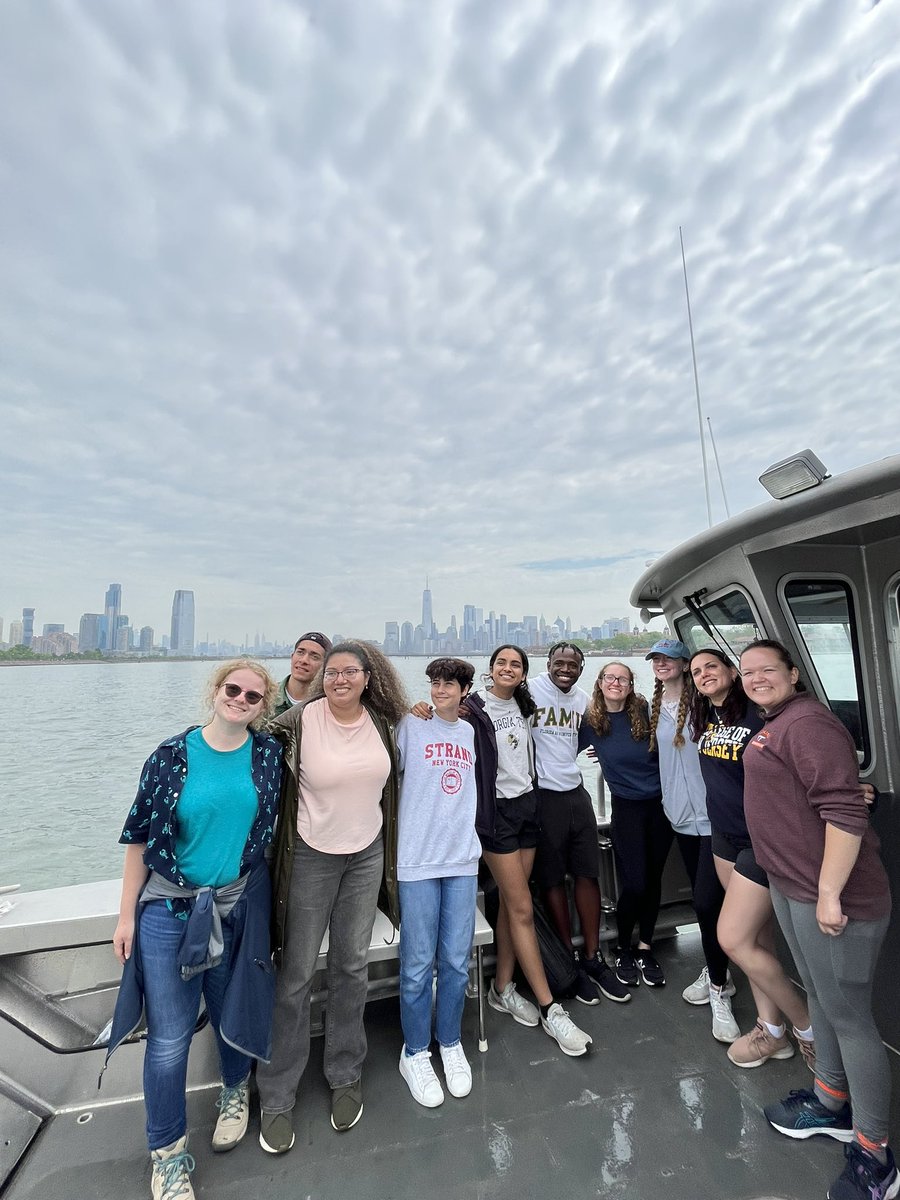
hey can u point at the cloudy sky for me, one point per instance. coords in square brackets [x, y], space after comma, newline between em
[302, 301]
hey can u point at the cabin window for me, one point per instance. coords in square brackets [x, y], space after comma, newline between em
[730, 616]
[824, 613]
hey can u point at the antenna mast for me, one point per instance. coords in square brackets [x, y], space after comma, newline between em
[696, 384]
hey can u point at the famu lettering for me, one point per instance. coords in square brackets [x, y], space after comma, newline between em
[564, 718]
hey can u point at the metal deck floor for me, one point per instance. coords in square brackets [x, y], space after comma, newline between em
[655, 1110]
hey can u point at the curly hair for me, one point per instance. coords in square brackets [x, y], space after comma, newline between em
[450, 669]
[597, 714]
[269, 687]
[730, 712]
[384, 692]
[566, 646]
[521, 695]
[687, 693]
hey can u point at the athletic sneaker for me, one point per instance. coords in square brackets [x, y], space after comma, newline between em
[724, 1027]
[651, 971]
[585, 991]
[560, 1026]
[276, 1131]
[626, 968]
[605, 978]
[424, 1086]
[698, 991]
[509, 1001]
[864, 1178]
[803, 1115]
[457, 1071]
[346, 1106]
[758, 1046]
[807, 1048]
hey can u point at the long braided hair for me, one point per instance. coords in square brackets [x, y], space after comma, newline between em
[687, 693]
[597, 714]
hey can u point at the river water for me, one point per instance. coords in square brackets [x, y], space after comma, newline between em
[73, 739]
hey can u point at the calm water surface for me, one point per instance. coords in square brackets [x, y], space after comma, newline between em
[73, 740]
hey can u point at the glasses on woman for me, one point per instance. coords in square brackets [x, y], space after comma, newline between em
[349, 673]
[232, 691]
[623, 680]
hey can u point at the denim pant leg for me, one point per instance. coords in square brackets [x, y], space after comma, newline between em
[315, 880]
[457, 931]
[420, 914]
[350, 932]
[172, 1006]
[235, 1066]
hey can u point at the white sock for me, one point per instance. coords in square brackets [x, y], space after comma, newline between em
[777, 1031]
[805, 1034]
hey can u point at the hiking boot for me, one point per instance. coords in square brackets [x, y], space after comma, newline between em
[698, 991]
[724, 1026]
[276, 1131]
[346, 1106]
[560, 1026]
[803, 1115]
[509, 1001]
[457, 1071]
[758, 1046]
[234, 1116]
[807, 1048]
[585, 990]
[423, 1084]
[626, 968]
[605, 978]
[864, 1178]
[171, 1172]
[651, 971]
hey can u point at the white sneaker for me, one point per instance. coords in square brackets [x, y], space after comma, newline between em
[234, 1116]
[171, 1178]
[424, 1086]
[698, 991]
[724, 1026]
[509, 1001]
[560, 1026]
[457, 1071]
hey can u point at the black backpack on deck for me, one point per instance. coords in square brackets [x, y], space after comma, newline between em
[559, 963]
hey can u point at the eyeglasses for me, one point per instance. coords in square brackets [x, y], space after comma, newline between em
[232, 691]
[349, 673]
[621, 679]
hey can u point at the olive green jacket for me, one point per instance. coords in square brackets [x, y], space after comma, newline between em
[287, 728]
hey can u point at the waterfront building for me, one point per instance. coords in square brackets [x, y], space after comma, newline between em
[391, 637]
[123, 639]
[27, 626]
[16, 633]
[53, 628]
[182, 641]
[428, 626]
[1, 631]
[58, 643]
[90, 632]
[146, 640]
[111, 608]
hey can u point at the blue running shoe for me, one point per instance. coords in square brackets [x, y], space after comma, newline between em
[864, 1178]
[803, 1115]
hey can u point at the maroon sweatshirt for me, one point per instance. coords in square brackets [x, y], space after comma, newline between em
[801, 772]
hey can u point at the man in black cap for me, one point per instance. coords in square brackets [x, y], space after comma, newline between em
[309, 654]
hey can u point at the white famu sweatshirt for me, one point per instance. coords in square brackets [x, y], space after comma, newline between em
[436, 812]
[555, 728]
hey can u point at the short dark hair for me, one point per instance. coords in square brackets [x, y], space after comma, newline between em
[565, 646]
[449, 669]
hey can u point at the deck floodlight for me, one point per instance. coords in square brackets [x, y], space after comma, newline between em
[795, 474]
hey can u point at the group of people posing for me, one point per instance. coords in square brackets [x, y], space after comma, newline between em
[300, 808]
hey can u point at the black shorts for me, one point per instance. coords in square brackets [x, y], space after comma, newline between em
[738, 850]
[517, 825]
[569, 843]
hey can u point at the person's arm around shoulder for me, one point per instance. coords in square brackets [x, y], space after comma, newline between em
[134, 876]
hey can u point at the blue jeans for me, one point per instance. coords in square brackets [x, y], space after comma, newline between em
[337, 893]
[437, 925]
[172, 1006]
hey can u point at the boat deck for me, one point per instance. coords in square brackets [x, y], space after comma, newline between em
[654, 1110]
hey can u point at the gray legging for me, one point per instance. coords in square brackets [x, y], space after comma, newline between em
[837, 973]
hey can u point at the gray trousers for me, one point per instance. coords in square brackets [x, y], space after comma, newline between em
[337, 892]
[837, 973]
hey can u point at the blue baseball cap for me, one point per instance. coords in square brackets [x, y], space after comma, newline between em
[670, 647]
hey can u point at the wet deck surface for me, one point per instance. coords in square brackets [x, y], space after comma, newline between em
[656, 1110]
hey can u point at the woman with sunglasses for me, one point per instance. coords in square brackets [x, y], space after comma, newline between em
[194, 914]
[617, 728]
[336, 844]
[722, 722]
[810, 828]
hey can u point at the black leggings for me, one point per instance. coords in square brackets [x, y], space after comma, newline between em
[641, 837]
[707, 895]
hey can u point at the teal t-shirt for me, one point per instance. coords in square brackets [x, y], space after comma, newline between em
[214, 812]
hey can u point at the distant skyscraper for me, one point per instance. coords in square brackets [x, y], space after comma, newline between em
[27, 626]
[54, 628]
[90, 631]
[427, 615]
[1, 629]
[15, 633]
[391, 637]
[111, 609]
[183, 623]
[146, 639]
